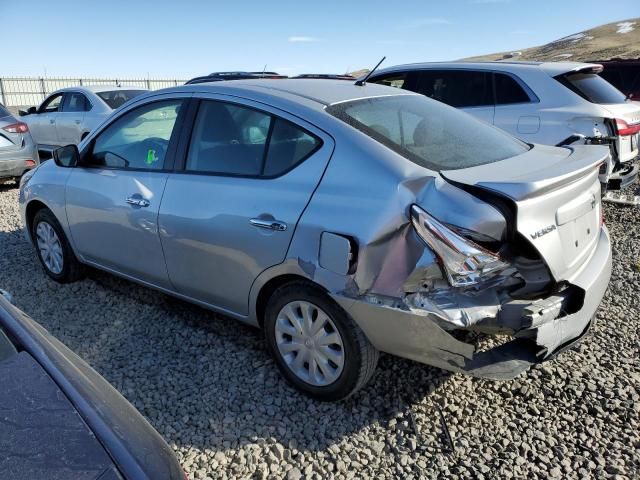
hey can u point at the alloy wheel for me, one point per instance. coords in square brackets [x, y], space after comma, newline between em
[50, 248]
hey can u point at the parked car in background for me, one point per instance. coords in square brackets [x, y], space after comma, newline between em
[342, 219]
[18, 152]
[624, 75]
[557, 103]
[62, 420]
[68, 115]
[221, 76]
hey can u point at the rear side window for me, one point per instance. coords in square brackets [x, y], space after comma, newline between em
[3, 111]
[592, 88]
[397, 80]
[230, 139]
[508, 90]
[428, 133]
[75, 102]
[458, 88]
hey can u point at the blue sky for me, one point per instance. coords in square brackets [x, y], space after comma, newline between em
[182, 39]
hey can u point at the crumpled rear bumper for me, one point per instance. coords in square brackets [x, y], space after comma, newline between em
[416, 334]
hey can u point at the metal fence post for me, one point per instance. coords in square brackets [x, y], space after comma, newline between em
[3, 100]
[42, 87]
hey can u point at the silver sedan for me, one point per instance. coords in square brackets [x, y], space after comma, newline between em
[343, 220]
[18, 152]
[68, 115]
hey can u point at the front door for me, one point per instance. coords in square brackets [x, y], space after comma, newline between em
[113, 199]
[42, 124]
[232, 211]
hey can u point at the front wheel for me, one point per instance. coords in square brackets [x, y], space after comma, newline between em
[53, 249]
[318, 348]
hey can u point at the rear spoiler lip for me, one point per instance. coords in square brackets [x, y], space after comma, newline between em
[523, 190]
[594, 68]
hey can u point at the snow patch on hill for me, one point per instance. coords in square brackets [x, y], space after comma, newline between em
[625, 27]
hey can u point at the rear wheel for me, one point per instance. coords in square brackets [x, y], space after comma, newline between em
[53, 249]
[318, 348]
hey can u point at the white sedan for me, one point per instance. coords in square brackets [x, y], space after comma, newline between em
[68, 115]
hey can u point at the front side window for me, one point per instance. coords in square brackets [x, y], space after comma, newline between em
[458, 88]
[230, 139]
[75, 102]
[116, 98]
[508, 90]
[428, 133]
[139, 139]
[52, 104]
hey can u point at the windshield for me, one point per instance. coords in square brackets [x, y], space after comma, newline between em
[117, 98]
[429, 133]
[592, 88]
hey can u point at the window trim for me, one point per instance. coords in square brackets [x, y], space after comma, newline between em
[187, 133]
[169, 159]
[533, 98]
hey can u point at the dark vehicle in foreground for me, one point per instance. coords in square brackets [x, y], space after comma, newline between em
[60, 420]
[18, 152]
[344, 220]
[222, 76]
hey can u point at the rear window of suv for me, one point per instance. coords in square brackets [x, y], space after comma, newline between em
[428, 133]
[592, 88]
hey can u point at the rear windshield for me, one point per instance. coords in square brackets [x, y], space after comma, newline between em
[117, 98]
[429, 133]
[3, 111]
[592, 88]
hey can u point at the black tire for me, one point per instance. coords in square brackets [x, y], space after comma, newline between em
[360, 357]
[72, 270]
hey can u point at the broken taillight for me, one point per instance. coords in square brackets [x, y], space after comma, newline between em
[624, 129]
[464, 261]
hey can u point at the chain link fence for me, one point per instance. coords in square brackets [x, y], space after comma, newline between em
[19, 93]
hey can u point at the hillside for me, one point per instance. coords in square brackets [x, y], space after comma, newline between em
[613, 40]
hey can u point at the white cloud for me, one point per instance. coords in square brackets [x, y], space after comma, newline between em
[302, 39]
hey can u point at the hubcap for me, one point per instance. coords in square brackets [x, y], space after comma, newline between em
[309, 343]
[50, 247]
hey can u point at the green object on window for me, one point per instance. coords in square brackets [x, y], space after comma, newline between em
[151, 157]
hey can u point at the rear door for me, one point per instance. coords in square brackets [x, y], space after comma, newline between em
[230, 211]
[468, 90]
[113, 199]
[70, 119]
[516, 111]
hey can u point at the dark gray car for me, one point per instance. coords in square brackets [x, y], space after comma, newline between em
[18, 152]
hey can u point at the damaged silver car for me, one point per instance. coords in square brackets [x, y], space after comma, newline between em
[342, 219]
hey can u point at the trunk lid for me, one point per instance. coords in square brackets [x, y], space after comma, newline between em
[556, 194]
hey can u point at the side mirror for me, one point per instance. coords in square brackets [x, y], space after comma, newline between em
[32, 110]
[67, 156]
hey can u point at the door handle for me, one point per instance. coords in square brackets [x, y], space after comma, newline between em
[268, 224]
[138, 201]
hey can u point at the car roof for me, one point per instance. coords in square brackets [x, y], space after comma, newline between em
[99, 88]
[322, 91]
[551, 68]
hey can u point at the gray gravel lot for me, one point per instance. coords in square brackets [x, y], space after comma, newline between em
[208, 386]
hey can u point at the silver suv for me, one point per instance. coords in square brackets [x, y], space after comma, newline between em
[556, 103]
[344, 220]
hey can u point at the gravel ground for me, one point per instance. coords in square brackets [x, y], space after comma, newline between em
[208, 386]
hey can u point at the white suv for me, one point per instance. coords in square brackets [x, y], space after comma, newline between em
[559, 103]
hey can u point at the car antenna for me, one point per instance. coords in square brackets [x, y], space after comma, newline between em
[264, 70]
[360, 83]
